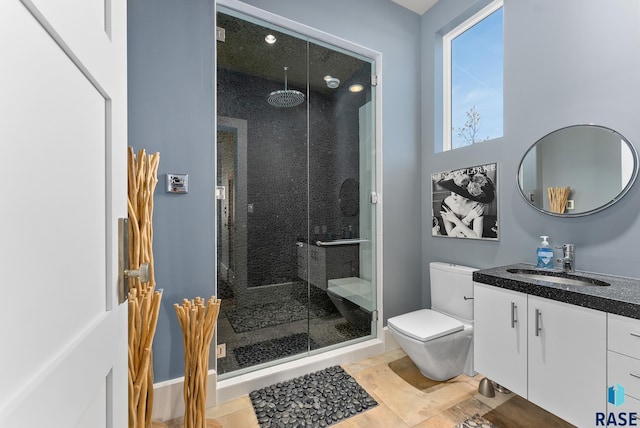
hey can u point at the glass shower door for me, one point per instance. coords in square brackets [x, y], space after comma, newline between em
[341, 177]
[295, 233]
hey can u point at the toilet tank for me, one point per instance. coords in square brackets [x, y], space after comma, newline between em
[450, 284]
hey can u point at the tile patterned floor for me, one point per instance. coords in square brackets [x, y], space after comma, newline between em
[406, 400]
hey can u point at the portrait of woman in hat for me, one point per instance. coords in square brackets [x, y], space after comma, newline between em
[463, 211]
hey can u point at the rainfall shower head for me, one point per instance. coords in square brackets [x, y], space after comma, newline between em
[286, 97]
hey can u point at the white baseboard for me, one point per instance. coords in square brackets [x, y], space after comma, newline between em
[168, 402]
[239, 385]
[390, 343]
[168, 397]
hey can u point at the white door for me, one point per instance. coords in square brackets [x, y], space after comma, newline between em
[63, 333]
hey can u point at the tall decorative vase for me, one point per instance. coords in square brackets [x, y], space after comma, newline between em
[198, 322]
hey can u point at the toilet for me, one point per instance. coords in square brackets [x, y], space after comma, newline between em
[439, 340]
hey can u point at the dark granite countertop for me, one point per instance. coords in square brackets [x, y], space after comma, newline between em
[622, 297]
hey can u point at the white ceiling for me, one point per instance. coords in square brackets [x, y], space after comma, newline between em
[418, 6]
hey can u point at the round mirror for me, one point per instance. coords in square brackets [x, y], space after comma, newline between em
[349, 197]
[577, 170]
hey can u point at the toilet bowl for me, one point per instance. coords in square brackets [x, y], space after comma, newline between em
[439, 340]
[440, 349]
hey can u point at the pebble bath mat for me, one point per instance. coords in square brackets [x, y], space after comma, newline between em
[318, 399]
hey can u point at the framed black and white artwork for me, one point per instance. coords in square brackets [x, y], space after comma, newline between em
[465, 203]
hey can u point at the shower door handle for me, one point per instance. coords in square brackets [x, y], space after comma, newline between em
[340, 242]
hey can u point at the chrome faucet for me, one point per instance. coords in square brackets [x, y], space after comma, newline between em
[568, 259]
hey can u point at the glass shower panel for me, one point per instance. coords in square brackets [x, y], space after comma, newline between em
[262, 161]
[341, 146]
[295, 234]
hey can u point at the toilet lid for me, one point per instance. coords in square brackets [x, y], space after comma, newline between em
[425, 324]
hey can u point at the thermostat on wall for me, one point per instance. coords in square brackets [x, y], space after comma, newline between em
[177, 183]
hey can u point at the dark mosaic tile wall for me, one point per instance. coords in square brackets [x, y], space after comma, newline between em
[277, 181]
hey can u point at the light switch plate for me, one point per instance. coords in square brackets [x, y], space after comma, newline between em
[177, 183]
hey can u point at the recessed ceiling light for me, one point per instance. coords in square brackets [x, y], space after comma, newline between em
[356, 88]
[327, 78]
[271, 39]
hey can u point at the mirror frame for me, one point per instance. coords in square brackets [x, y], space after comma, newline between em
[615, 199]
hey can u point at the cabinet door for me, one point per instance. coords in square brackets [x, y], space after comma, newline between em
[567, 360]
[499, 337]
[317, 267]
[624, 371]
[302, 261]
[623, 336]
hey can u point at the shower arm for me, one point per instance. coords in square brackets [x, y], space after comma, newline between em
[285, 78]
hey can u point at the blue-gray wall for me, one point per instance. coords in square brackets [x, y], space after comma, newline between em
[566, 62]
[171, 110]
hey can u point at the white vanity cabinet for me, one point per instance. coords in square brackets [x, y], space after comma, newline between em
[552, 353]
[500, 336]
[623, 360]
[567, 359]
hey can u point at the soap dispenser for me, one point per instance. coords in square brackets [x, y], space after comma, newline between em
[545, 254]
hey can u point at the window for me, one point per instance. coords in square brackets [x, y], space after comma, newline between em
[472, 79]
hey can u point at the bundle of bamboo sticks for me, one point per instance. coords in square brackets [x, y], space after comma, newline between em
[143, 300]
[558, 197]
[143, 317]
[198, 325]
[142, 180]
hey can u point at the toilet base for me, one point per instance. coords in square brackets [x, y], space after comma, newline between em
[443, 358]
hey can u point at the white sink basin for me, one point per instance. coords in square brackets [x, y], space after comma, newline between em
[557, 277]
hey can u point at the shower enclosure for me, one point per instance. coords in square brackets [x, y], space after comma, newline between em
[296, 259]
